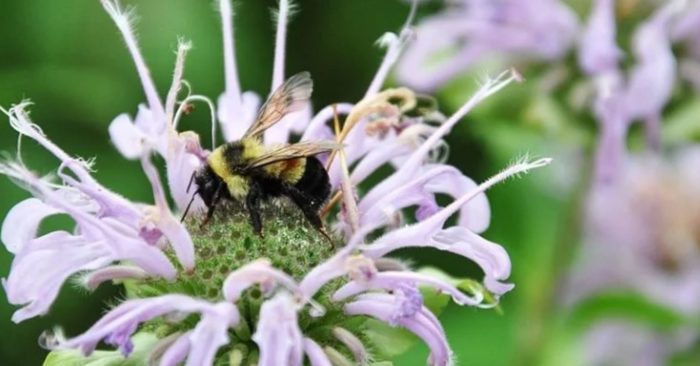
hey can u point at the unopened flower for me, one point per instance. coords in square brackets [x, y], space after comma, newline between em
[221, 293]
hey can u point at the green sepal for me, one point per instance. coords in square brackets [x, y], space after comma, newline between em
[135, 289]
[466, 285]
[472, 288]
[143, 344]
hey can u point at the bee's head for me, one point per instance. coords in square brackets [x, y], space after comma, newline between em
[206, 182]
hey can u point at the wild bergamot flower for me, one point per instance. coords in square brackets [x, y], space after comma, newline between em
[223, 294]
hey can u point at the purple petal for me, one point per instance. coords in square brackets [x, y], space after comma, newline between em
[294, 122]
[422, 323]
[119, 323]
[231, 99]
[390, 280]
[353, 343]
[39, 271]
[236, 120]
[652, 79]
[184, 157]
[614, 123]
[179, 239]
[315, 353]
[127, 138]
[22, 222]
[452, 41]
[434, 179]
[598, 50]
[95, 278]
[278, 335]
[177, 352]
[259, 271]
[211, 333]
[491, 257]
[123, 21]
[318, 128]
[173, 229]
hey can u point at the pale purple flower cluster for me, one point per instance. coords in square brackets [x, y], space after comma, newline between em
[470, 32]
[119, 239]
[641, 219]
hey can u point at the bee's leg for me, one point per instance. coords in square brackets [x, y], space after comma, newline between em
[252, 203]
[310, 208]
[214, 202]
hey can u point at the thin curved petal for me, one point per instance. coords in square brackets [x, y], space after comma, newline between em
[59, 255]
[422, 323]
[127, 138]
[244, 115]
[22, 222]
[315, 353]
[278, 335]
[118, 325]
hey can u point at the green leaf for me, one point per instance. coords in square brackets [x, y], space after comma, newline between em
[630, 306]
[143, 344]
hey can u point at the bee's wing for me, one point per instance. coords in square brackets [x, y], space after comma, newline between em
[294, 151]
[289, 97]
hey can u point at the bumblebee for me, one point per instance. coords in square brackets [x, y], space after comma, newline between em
[250, 172]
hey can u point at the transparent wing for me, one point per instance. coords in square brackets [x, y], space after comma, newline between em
[294, 151]
[289, 97]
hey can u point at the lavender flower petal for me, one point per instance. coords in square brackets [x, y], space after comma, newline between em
[412, 165]
[315, 353]
[211, 333]
[119, 324]
[95, 278]
[492, 258]
[390, 280]
[177, 352]
[22, 223]
[652, 79]
[259, 271]
[59, 255]
[123, 22]
[422, 323]
[278, 335]
[126, 137]
[185, 155]
[317, 128]
[470, 31]
[433, 179]
[598, 51]
[165, 222]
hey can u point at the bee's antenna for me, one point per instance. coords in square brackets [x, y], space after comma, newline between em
[187, 209]
[189, 185]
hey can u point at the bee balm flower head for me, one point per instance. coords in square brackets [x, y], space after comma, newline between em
[222, 293]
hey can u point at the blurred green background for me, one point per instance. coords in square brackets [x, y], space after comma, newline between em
[69, 59]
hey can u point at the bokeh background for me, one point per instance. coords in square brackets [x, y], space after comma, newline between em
[67, 57]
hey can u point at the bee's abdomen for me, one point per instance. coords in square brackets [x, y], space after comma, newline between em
[314, 182]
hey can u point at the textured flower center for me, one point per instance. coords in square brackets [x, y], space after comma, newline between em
[227, 243]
